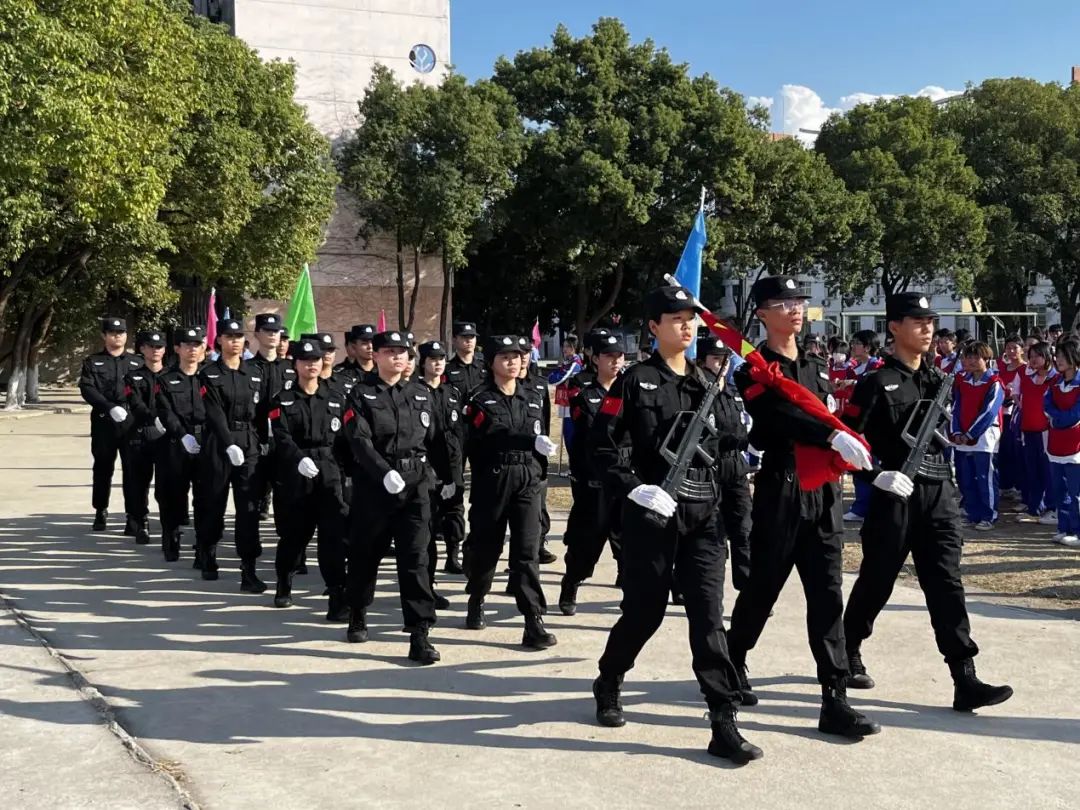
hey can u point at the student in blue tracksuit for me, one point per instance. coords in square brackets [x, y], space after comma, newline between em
[976, 433]
[1062, 402]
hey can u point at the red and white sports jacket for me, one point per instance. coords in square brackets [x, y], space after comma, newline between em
[976, 416]
[1062, 403]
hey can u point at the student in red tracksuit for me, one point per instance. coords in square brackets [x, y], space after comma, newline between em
[1039, 374]
[948, 359]
[1010, 369]
[976, 433]
[864, 348]
[839, 366]
[1062, 402]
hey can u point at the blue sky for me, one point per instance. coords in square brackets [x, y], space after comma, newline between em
[808, 57]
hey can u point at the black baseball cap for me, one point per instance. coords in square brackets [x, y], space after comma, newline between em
[110, 323]
[362, 331]
[908, 304]
[390, 340]
[268, 322]
[464, 329]
[503, 344]
[433, 348]
[711, 347]
[154, 338]
[608, 344]
[324, 339]
[775, 288]
[229, 326]
[189, 334]
[662, 300]
[306, 349]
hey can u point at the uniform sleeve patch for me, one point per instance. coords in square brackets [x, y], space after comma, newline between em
[349, 416]
[275, 413]
[202, 390]
[127, 390]
[611, 406]
[478, 417]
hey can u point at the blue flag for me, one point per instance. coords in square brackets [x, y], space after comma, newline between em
[688, 273]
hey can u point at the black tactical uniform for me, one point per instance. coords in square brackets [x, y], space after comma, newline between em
[447, 455]
[309, 426]
[143, 439]
[349, 372]
[926, 524]
[465, 376]
[275, 373]
[688, 547]
[391, 431]
[182, 412]
[538, 383]
[501, 440]
[234, 404]
[101, 384]
[591, 522]
[794, 528]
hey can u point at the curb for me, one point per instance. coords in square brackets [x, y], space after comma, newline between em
[88, 692]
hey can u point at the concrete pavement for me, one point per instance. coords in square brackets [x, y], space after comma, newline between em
[254, 707]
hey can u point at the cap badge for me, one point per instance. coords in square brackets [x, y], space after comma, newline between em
[789, 284]
[191, 333]
[116, 323]
[507, 341]
[680, 295]
[395, 336]
[436, 345]
[924, 303]
[307, 347]
[326, 339]
[233, 325]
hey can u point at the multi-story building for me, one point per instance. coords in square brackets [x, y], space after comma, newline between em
[336, 45]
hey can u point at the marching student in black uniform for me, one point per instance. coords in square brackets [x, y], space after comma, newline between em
[144, 431]
[446, 409]
[793, 528]
[325, 340]
[180, 408]
[101, 384]
[307, 419]
[232, 391]
[735, 500]
[665, 537]
[590, 524]
[392, 433]
[358, 364]
[505, 439]
[283, 346]
[274, 372]
[536, 381]
[905, 516]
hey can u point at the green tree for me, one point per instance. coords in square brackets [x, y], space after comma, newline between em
[621, 140]
[924, 221]
[1022, 138]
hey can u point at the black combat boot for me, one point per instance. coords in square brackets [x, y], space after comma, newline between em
[264, 507]
[249, 579]
[969, 693]
[338, 609]
[536, 636]
[568, 597]
[420, 647]
[357, 632]
[101, 517]
[131, 526]
[746, 691]
[837, 716]
[142, 531]
[441, 602]
[727, 742]
[283, 593]
[197, 562]
[170, 544]
[208, 562]
[301, 564]
[607, 692]
[453, 558]
[474, 616]
[546, 557]
[676, 596]
[857, 675]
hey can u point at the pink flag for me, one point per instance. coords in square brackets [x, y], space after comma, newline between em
[381, 327]
[536, 339]
[211, 319]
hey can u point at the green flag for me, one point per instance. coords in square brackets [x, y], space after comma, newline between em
[301, 317]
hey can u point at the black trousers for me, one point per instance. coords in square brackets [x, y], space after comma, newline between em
[176, 474]
[588, 528]
[797, 530]
[545, 518]
[505, 496]
[216, 477]
[106, 443]
[376, 518]
[735, 510]
[926, 526]
[312, 506]
[439, 508]
[265, 470]
[690, 549]
[139, 459]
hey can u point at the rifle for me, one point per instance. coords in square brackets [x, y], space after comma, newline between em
[696, 424]
[919, 441]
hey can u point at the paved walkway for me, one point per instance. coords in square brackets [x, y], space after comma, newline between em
[253, 707]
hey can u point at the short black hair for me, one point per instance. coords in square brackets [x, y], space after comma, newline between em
[570, 340]
[1055, 327]
[1070, 350]
[963, 335]
[948, 334]
[1036, 333]
[1042, 348]
[868, 338]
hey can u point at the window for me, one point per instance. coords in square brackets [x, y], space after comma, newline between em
[962, 322]
[881, 326]
[1040, 315]
[854, 324]
[805, 288]
[422, 58]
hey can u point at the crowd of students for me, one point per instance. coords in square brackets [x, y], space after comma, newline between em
[1015, 426]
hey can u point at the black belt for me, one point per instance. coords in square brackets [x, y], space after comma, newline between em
[514, 457]
[410, 464]
[240, 424]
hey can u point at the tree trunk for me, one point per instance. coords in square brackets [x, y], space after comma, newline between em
[37, 342]
[582, 319]
[444, 306]
[16, 387]
[400, 281]
[414, 294]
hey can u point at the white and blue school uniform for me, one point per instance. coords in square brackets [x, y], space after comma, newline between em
[1062, 403]
[976, 418]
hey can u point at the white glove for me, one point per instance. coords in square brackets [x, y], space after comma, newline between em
[545, 446]
[235, 454]
[190, 443]
[118, 414]
[447, 491]
[654, 499]
[307, 468]
[851, 450]
[894, 482]
[156, 430]
[393, 482]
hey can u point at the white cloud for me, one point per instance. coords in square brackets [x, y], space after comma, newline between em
[802, 108]
[762, 101]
